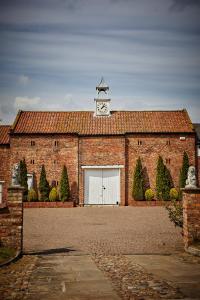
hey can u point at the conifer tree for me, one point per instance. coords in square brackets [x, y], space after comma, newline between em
[23, 177]
[163, 181]
[138, 182]
[184, 170]
[159, 178]
[64, 185]
[43, 185]
[167, 184]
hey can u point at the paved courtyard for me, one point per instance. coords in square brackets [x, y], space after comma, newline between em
[89, 253]
[106, 230]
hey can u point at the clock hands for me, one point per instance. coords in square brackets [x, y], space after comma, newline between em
[102, 107]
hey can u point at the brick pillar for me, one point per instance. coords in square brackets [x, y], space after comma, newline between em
[15, 207]
[191, 216]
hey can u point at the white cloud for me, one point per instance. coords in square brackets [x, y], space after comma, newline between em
[26, 102]
[68, 97]
[24, 80]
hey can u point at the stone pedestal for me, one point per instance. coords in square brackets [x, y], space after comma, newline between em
[11, 219]
[191, 216]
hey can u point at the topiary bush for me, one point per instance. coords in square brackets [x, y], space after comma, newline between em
[53, 195]
[163, 181]
[174, 194]
[32, 195]
[159, 177]
[183, 173]
[64, 185]
[138, 182]
[23, 178]
[149, 195]
[167, 185]
[184, 170]
[43, 186]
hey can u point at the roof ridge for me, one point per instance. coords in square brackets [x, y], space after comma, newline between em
[91, 111]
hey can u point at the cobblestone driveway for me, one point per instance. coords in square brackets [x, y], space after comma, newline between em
[106, 230]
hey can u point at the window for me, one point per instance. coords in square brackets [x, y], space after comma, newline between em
[168, 142]
[32, 161]
[32, 143]
[168, 160]
[56, 143]
[139, 142]
[1, 192]
[56, 182]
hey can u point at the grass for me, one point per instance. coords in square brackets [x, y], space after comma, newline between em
[6, 254]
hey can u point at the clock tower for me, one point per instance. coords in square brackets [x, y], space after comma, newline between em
[102, 100]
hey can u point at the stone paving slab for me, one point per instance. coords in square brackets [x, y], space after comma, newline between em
[68, 277]
[173, 269]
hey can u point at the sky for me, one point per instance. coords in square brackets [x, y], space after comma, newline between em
[53, 53]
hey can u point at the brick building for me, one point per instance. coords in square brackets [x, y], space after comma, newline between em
[99, 148]
[197, 130]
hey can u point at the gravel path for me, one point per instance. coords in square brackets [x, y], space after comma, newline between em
[103, 230]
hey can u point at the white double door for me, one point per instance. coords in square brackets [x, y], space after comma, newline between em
[102, 186]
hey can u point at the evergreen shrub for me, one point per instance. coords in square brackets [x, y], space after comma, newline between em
[184, 170]
[43, 185]
[23, 180]
[163, 181]
[32, 195]
[138, 182]
[53, 195]
[64, 185]
[149, 195]
[173, 194]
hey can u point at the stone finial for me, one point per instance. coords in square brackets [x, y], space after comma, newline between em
[15, 175]
[191, 178]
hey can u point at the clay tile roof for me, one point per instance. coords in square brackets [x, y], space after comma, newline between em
[85, 123]
[4, 134]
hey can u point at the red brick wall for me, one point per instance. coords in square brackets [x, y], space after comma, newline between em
[102, 151]
[152, 146]
[53, 157]
[198, 170]
[191, 216]
[5, 169]
[11, 220]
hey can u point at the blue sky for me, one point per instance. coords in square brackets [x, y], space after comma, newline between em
[54, 52]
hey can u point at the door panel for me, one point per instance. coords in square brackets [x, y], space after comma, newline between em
[102, 186]
[111, 186]
[93, 186]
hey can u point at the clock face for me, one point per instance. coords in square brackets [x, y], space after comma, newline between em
[102, 107]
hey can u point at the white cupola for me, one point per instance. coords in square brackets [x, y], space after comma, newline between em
[102, 100]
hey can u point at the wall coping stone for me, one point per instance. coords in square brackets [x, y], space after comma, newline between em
[191, 190]
[16, 188]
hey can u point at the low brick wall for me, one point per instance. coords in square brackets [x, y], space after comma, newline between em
[11, 220]
[191, 216]
[148, 203]
[48, 204]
